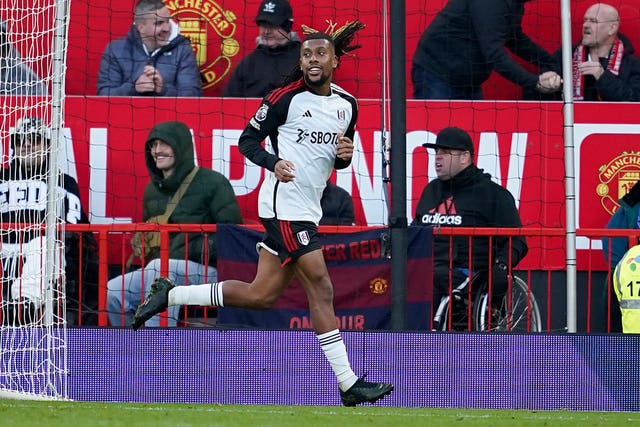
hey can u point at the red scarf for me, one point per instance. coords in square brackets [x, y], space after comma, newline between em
[580, 55]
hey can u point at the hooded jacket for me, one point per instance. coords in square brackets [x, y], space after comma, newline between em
[470, 199]
[262, 70]
[124, 59]
[466, 41]
[209, 199]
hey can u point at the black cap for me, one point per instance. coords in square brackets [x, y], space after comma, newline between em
[277, 13]
[453, 138]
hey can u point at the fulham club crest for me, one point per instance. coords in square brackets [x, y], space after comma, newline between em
[303, 237]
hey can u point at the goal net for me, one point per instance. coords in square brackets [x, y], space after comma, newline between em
[32, 301]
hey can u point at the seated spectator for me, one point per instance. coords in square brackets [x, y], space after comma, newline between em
[206, 198]
[466, 41]
[604, 65]
[23, 188]
[277, 53]
[626, 217]
[465, 196]
[152, 59]
[16, 77]
[337, 206]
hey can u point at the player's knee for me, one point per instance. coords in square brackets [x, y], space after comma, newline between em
[114, 286]
[321, 291]
[154, 266]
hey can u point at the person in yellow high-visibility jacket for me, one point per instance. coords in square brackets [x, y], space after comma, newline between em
[626, 281]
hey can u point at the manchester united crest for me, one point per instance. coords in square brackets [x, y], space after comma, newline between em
[211, 30]
[616, 179]
[378, 285]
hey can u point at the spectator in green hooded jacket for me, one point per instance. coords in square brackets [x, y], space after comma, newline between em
[208, 199]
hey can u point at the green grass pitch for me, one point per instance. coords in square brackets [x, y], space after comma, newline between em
[71, 414]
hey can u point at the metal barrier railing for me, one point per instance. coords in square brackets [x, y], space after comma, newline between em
[113, 250]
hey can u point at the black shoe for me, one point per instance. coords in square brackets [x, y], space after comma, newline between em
[363, 391]
[156, 302]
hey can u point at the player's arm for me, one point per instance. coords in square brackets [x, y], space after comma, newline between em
[345, 142]
[264, 122]
[344, 152]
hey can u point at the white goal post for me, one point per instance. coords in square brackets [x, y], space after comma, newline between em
[33, 338]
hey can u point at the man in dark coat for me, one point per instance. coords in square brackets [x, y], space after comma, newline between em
[604, 65]
[337, 206]
[466, 41]
[277, 53]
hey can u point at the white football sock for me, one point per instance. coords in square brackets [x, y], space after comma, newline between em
[336, 353]
[208, 294]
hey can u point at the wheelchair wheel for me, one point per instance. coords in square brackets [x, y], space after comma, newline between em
[520, 314]
[455, 312]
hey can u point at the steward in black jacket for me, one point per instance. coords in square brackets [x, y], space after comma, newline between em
[337, 206]
[263, 69]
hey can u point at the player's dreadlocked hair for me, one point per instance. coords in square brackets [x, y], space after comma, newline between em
[340, 38]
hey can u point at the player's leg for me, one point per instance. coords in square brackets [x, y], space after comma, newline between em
[312, 272]
[181, 272]
[271, 279]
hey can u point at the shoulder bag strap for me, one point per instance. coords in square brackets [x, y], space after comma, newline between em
[180, 192]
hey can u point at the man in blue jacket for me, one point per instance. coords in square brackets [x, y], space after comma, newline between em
[152, 59]
[16, 77]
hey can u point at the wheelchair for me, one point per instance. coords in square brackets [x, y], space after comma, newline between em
[516, 311]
